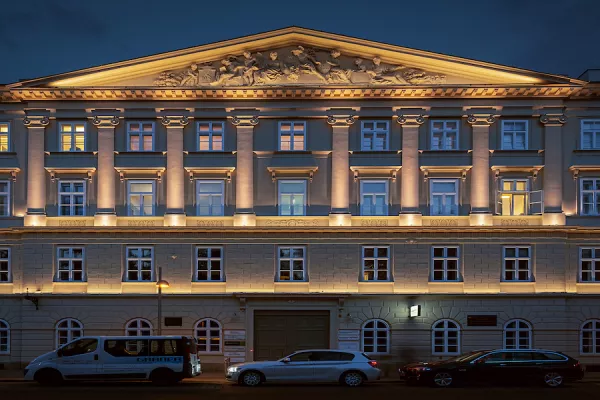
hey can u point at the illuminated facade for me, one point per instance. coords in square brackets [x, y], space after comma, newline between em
[302, 189]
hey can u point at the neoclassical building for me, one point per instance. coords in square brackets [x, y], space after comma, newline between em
[300, 189]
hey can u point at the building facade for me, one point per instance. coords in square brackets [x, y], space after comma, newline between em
[300, 189]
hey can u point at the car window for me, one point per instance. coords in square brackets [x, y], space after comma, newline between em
[550, 356]
[497, 357]
[522, 356]
[467, 356]
[331, 356]
[79, 347]
[298, 357]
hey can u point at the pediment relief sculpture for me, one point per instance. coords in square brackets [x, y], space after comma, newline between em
[298, 65]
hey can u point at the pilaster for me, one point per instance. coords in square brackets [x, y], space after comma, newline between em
[410, 214]
[553, 121]
[244, 179]
[480, 174]
[36, 174]
[105, 214]
[340, 167]
[175, 215]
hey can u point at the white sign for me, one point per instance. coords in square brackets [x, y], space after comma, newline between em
[235, 348]
[349, 346]
[234, 335]
[415, 311]
[234, 354]
[348, 334]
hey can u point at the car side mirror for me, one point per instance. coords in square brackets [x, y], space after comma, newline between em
[286, 360]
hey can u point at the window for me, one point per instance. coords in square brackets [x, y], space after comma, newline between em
[209, 264]
[140, 198]
[138, 327]
[517, 335]
[140, 136]
[374, 135]
[444, 264]
[140, 264]
[71, 198]
[514, 197]
[373, 197]
[292, 197]
[590, 134]
[292, 136]
[79, 347]
[208, 335]
[4, 136]
[590, 337]
[445, 337]
[72, 136]
[209, 198]
[4, 337]
[444, 135]
[375, 337]
[5, 275]
[590, 196]
[516, 265]
[70, 264]
[514, 135]
[145, 347]
[67, 330]
[444, 197]
[210, 136]
[4, 198]
[376, 263]
[589, 264]
[291, 264]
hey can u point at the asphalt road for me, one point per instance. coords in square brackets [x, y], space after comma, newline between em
[203, 391]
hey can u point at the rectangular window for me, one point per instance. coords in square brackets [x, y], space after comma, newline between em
[373, 197]
[140, 136]
[71, 198]
[210, 135]
[444, 135]
[292, 136]
[374, 135]
[5, 265]
[4, 198]
[514, 135]
[209, 198]
[209, 264]
[4, 136]
[140, 198]
[589, 264]
[376, 263]
[516, 264]
[292, 197]
[444, 264]
[590, 196]
[590, 134]
[514, 197]
[72, 136]
[70, 264]
[291, 262]
[140, 264]
[444, 197]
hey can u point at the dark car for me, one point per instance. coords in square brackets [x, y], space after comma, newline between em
[497, 367]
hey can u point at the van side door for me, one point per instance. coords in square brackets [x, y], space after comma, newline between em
[79, 359]
[125, 358]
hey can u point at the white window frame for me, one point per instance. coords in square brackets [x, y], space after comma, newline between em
[375, 329]
[517, 258]
[208, 335]
[455, 195]
[445, 131]
[8, 263]
[594, 331]
[8, 198]
[445, 258]
[211, 142]
[513, 133]
[70, 258]
[140, 135]
[4, 336]
[198, 194]
[513, 192]
[291, 260]
[373, 196]
[445, 329]
[304, 195]
[7, 134]
[209, 259]
[595, 143]
[72, 195]
[140, 194]
[594, 261]
[376, 260]
[373, 133]
[595, 192]
[73, 134]
[292, 132]
[138, 328]
[521, 326]
[72, 325]
[139, 261]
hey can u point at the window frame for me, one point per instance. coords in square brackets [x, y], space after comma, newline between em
[375, 329]
[304, 195]
[375, 259]
[527, 193]
[291, 260]
[446, 330]
[73, 135]
[594, 268]
[8, 137]
[6, 330]
[595, 333]
[137, 328]
[516, 331]
[514, 132]
[595, 192]
[444, 131]
[210, 135]
[374, 132]
[8, 260]
[140, 194]
[140, 136]
[292, 134]
[139, 260]
[432, 193]
[70, 260]
[517, 258]
[208, 336]
[71, 195]
[445, 260]
[209, 260]
[197, 199]
[69, 329]
[373, 196]
[595, 146]
[8, 197]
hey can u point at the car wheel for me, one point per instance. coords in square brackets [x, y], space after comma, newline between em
[443, 379]
[353, 379]
[553, 379]
[251, 378]
[48, 377]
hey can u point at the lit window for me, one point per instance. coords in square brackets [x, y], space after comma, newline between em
[445, 338]
[71, 198]
[210, 136]
[138, 327]
[209, 198]
[292, 136]
[4, 337]
[70, 264]
[375, 337]
[376, 263]
[514, 197]
[516, 264]
[517, 335]
[5, 273]
[72, 137]
[292, 197]
[514, 135]
[291, 261]
[444, 135]
[589, 264]
[374, 135]
[590, 196]
[209, 264]
[4, 198]
[590, 134]
[444, 264]
[140, 198]
[208, 335]
[67, 330]
[140, 136]
[373, 197]
[4, 136]
[140, 264]
[444, 196]
[590, 337]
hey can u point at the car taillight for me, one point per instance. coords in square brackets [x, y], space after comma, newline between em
[373, 363]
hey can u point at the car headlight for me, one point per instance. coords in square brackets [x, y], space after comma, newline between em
[232, 369]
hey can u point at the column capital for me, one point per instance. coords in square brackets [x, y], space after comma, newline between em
[174, 121]
[105, 121]
[244, 120]
[485, 119]
[36, 121]
[411, 119]
[553, 119]
[341, 120]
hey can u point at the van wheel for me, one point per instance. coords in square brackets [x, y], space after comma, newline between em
[48, 377]
[163, 377]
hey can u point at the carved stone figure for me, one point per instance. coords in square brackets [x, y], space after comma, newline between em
[191, 76]
[418, 76]
[306, 63]
[332, 70]
[230, 68]
[272, 70]
[385, 75]
[250, 67]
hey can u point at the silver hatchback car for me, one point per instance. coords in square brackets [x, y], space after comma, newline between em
[351, 368]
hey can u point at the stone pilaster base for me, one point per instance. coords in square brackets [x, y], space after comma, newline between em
[558, 218]
[481, 219]
[105, 220]
[34, 220]
[245, 219]
[340, 219]
[175, 220]
[410, 219]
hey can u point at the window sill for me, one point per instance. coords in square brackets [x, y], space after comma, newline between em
[139, 287]
[66, 287]
[149, 153]
[209, 287]
[587, 151]
[6, 287]
[517, 287]
[291, 287]
[375, 151]
[588, 287]
[451, 151]
[522, 151]
[376, 287]
[209, 152]
[86, 153]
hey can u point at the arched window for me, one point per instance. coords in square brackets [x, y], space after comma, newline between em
[4, 337]
[208, 334]
[590, 337]
[445, 337]
[517, 335]
[138, 327]
[67, 330]
[375, 335]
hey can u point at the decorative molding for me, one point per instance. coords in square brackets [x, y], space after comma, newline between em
[341, 119]
[411, 120]
[13, 176]
[36, 121]
[553, 119]
[72, 222]
[175, 120]
[239, 120]
[513, 222]
[443, 222]
[105, 121]
[210, 223]
[292, 222]
[141, 222]
[481, 119]
[374, 222]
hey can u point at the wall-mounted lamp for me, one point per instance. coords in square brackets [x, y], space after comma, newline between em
[34, 299]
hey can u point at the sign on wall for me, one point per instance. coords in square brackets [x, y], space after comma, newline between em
[234, 345]
[348, 335]
[415, 311]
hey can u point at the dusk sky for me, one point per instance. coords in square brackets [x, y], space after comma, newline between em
[45, 37]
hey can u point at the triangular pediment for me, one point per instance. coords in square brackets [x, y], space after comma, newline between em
[296, 57]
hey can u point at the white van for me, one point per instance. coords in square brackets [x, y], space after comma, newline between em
[161, 359]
